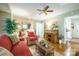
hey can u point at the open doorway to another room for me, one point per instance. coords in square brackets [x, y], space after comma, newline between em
[71, 28]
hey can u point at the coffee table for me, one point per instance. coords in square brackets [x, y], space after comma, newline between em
[42, 50]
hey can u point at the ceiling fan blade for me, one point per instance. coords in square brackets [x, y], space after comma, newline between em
[40, 13]
[50, 11]
[46, 7]
[45, 13]
[39, 10]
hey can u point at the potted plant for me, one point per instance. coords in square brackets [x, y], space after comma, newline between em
[54, 26]
[44, 43]
[10, 26]
[61, 37]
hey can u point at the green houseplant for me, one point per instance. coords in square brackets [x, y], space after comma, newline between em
[44, 43]
[61, 37]
[10, 26]
[54, 27]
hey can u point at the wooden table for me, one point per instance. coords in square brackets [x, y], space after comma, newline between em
[43, 50]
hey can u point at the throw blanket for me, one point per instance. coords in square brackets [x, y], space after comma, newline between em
[5, 52]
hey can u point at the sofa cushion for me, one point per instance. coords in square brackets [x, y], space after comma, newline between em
[21, 49]
[5, 42]
[14, 39]
[33, 38]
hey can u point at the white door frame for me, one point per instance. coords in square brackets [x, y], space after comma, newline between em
[67, 29]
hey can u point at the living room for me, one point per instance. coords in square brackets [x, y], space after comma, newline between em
[52, 25]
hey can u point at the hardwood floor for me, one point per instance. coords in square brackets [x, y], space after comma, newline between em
[59, 48]
[68, 49]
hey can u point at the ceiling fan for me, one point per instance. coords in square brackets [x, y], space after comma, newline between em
[45, 10]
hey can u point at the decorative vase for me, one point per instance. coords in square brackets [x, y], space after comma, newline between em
[60, 41]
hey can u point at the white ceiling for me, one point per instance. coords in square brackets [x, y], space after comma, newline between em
[31, 9]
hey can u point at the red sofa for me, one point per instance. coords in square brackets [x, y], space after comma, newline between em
[19, 49]
[32, 37]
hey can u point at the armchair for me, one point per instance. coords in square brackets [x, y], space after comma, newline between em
[32, 38]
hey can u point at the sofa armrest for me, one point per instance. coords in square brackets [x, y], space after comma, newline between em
[21, 49]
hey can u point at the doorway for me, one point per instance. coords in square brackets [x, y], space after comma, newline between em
[67, 29]
[71, 28]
